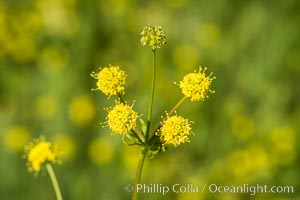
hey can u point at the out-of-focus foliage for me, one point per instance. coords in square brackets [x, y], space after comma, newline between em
[247, 132]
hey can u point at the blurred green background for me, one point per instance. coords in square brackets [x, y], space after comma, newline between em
[245, 133]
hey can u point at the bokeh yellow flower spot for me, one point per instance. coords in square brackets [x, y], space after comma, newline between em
[175, 130]
[283, 147]
[246, 167]
[39, 152]
[81, 110]
[101, 151]
[45, 106]
[196, 85]
[111, 80]
[66, 145]
[16, 137]
[242, 127]
[208, 35]
[52, 59]
[130, 156]
[186, 56]
[121, 118]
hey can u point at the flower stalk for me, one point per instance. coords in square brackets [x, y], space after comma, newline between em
[150, 107]
[177, 106]
[41, 153]
[54, 181]
[138, 174]
[121, 119]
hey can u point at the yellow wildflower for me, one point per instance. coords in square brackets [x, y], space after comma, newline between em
[175, 130]
[196, 85]
[39, 152]
[153, 36]
[111, 80]
[121, 118]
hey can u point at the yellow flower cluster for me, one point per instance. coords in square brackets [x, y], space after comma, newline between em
[153, 36]
[196, 85]
[121, 118]
[175, 130]
[111, 80]
[39, 152]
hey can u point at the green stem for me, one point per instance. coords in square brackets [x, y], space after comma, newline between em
[177, 105]
[140, 139]
[171, 112]
[149, 116]
[138, 174]
[121, 98]
[54, 181]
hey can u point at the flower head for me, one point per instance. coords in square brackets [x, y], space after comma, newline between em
[111, 80]
[121, 118]
[153, 36]
[175, 130]
[39, 152]
[196, 85]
